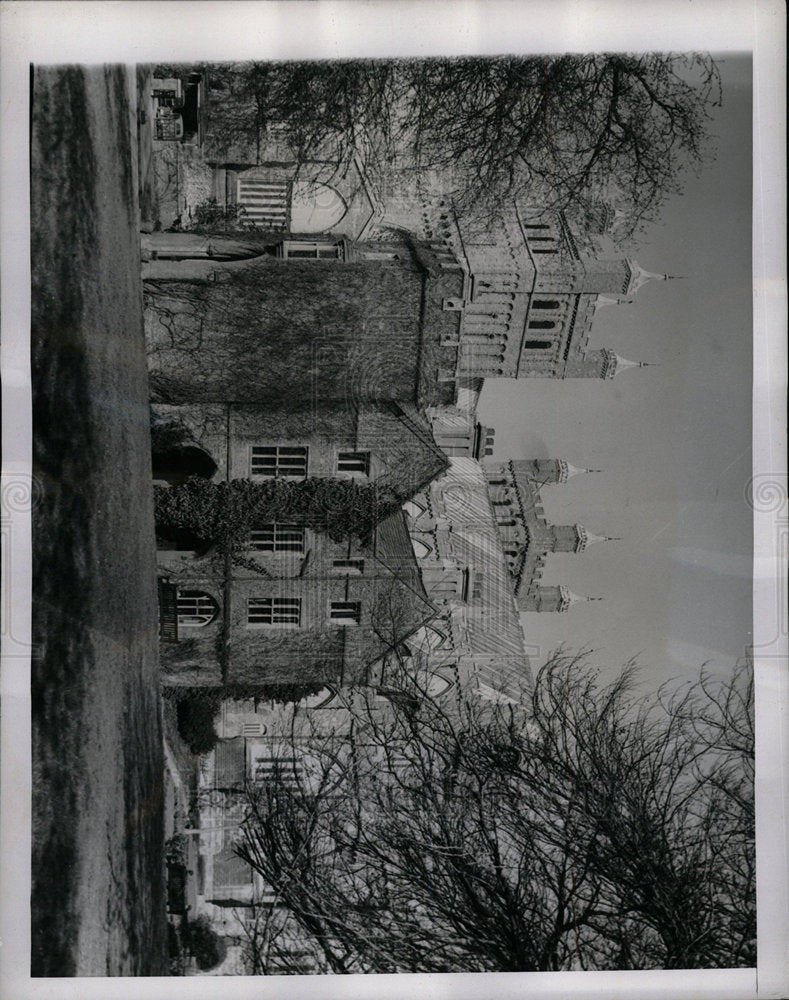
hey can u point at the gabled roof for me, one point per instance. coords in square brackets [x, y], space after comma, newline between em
[401, 436]
[405, 607]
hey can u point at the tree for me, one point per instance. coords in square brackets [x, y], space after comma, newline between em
[560, 130]
[579, 830]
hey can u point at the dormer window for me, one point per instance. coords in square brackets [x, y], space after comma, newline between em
[312, 250]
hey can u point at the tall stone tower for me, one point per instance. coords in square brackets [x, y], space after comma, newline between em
[532, 288]
[527, 537]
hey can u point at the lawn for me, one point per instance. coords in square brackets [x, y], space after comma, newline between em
[98, 901]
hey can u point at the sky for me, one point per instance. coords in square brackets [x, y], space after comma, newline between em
[673, 441]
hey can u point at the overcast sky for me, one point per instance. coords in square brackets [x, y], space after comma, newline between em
[674, 441]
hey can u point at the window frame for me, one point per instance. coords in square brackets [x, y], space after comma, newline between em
[348, 567]
[285, 602]
[280, 450]
[313, 250]
[358, 462]
[350, 620]
[198, 596]
[278, 544]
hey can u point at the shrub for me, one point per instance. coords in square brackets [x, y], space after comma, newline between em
[286, 693]
[196, 714]
[207, 947]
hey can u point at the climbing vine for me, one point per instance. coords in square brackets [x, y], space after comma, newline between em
[223, 514]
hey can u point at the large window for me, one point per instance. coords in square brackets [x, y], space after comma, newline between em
[274, 611]
[195, 608]
[279, 460]
[346, 612]
[278, 537]
[354, 461]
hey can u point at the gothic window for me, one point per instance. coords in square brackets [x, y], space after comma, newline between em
[438, 685]
[270, 461]
[354, 461]
[421, 551]
[545, 304]
[278, 537]
[414, 509]
[345, 612]
[437, 639]
[274, 611]
[536, 345]
[349, 567]
[195, 608]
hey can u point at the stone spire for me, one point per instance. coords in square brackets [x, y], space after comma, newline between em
[613, 364]
[574, 471]
[639, 276]
[586, 538]
[568, 598]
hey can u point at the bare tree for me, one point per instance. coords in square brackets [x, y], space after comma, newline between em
[580, 830]
[560, 130]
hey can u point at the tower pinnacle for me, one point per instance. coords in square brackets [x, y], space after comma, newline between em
[586, 538]
[573, 470]
[613, 364]
[568, 598]
[639, 276]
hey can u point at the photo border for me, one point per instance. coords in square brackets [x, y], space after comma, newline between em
[47, 32]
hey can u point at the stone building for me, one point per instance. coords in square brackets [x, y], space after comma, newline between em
[304, 323]
[532, 286]
[307, 609]
[476, 640]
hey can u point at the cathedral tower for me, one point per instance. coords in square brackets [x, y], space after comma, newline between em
[527, 537]
[531, 291]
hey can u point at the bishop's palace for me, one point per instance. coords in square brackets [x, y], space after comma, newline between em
[390, 313]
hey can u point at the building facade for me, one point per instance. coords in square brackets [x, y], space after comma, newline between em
[533, 284]
[302, 608]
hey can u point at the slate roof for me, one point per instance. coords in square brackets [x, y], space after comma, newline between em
[393, 548]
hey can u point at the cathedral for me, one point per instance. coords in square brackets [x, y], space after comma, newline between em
[532, 287]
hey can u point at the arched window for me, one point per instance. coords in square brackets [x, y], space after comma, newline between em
[438, 685]
[542, 324]
[195, 608]
[315, 207]
[413, 509]
[421, 551]
[437, 639]
[536, 345]
[545, 304]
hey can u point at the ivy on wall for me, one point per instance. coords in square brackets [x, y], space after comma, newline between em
[223, 514]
